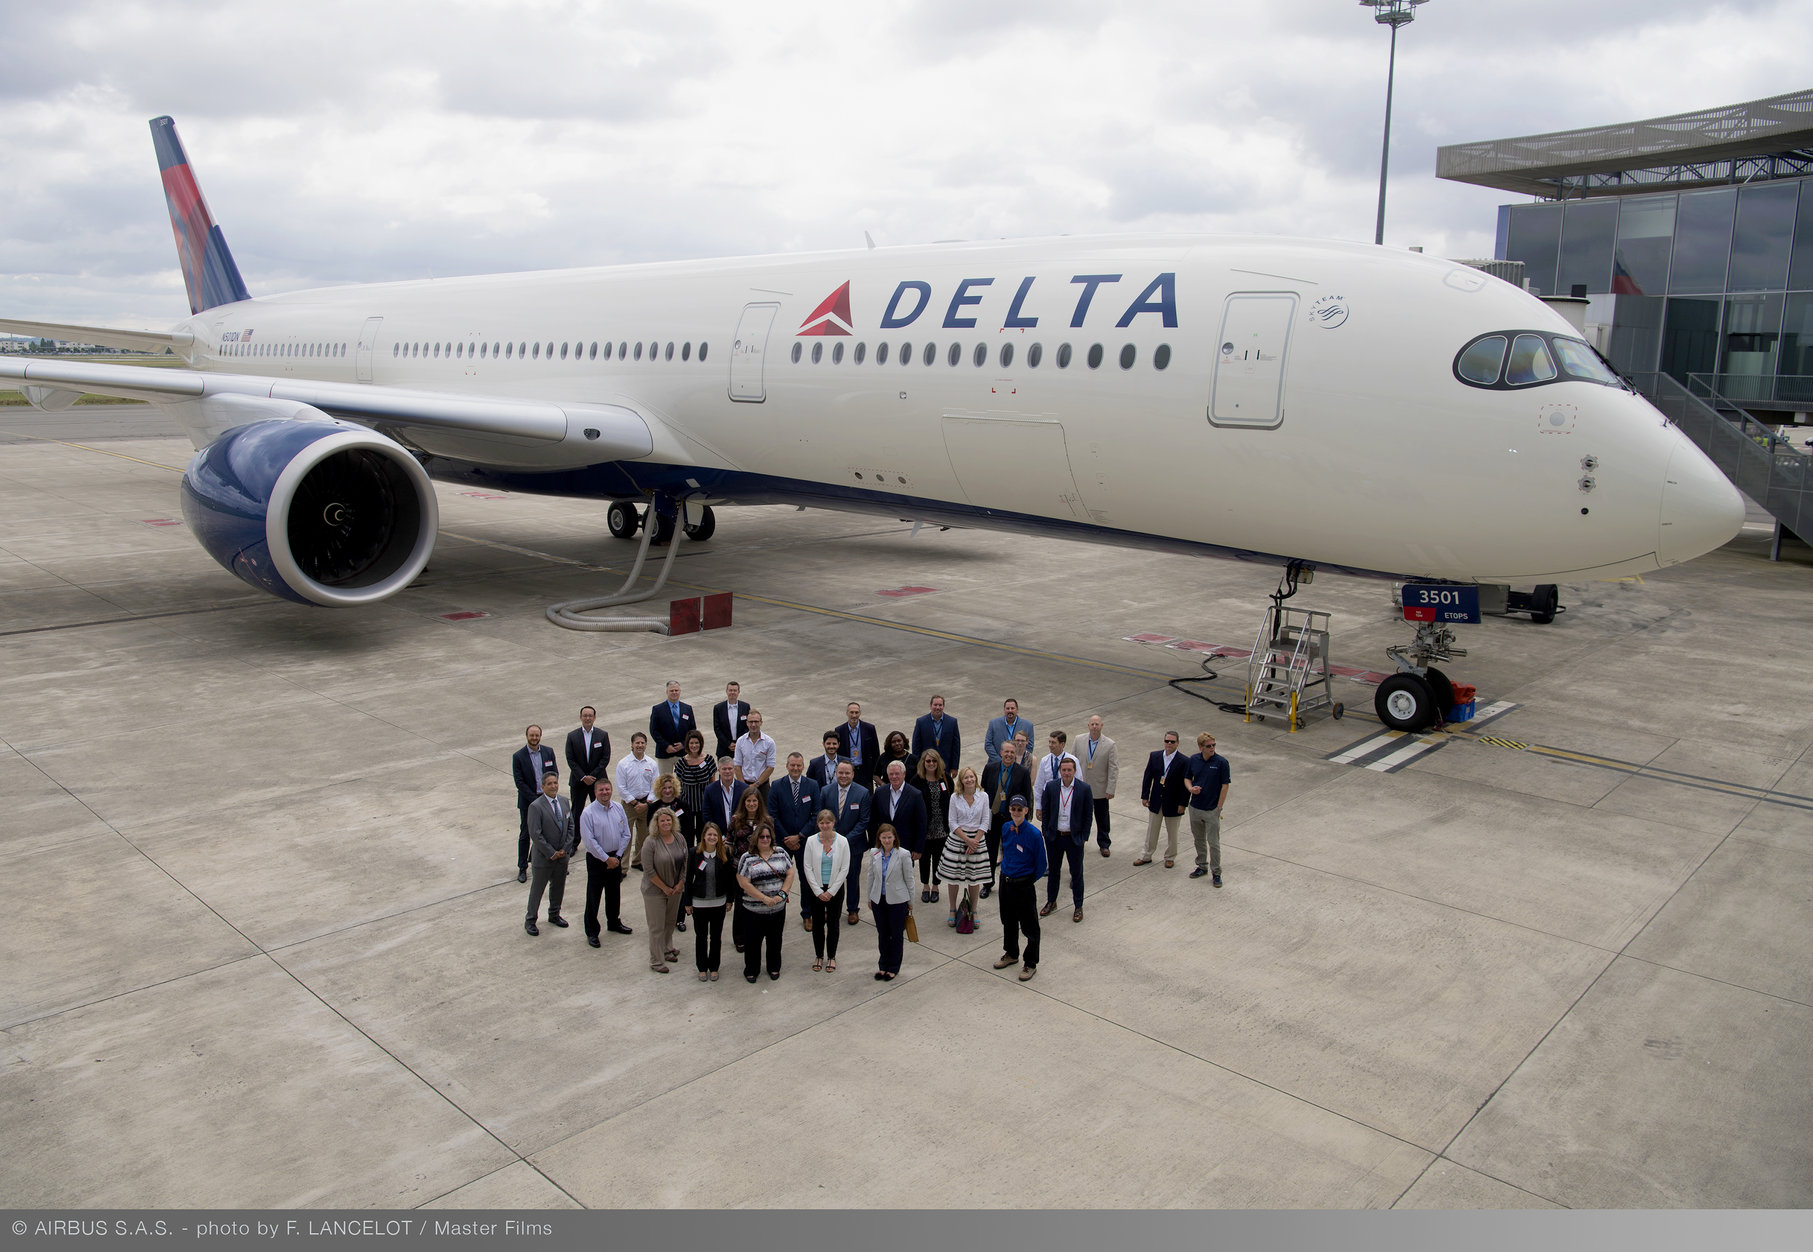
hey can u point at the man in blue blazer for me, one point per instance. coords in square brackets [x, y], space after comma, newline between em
[527, 766]
[849, 799]
[668, 723]
[857, 740]
[723, 796]
[1002, 730]
[793, 803]
[939, 733]
[823, 769]
[1165, 791]
[1066, 812]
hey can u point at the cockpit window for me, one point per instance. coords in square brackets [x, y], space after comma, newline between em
[1480, 362]
[1505, 359]
[1530, 362]
[1579, 360]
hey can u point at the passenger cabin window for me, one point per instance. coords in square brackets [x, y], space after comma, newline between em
[931, 353]
[1063, 356]
[702, 348]
[1161, 356]
[881, 353]
[1034, 355]
[1007, 355]
[837, 353]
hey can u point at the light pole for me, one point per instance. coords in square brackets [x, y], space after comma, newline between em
[1392, 13]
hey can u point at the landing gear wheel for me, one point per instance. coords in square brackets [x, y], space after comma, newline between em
[664, 529]
[707, 527]
[1441, 691]
[1405, 703]
[1548, 602]
[623, 519]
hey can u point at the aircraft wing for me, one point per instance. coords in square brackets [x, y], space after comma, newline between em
[142, 340]
[622, 433]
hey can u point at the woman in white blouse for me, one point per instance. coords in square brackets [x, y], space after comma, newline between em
[826, 860]
[965, 862]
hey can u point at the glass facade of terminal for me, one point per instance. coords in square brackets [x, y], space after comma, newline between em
[1713, 281]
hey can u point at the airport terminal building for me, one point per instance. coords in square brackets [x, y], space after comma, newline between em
[1691, 237]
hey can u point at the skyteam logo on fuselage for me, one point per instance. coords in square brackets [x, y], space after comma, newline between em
[913, 297]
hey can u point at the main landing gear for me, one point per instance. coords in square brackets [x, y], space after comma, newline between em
[1418, 696]
[625, 519]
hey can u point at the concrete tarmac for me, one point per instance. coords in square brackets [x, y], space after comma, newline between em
[264, 936]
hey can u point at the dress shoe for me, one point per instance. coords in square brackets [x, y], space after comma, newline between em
[853, 919]
[987, 889]
[1077, 916]
[749, 978]
[1217, 879]
[1005, 961]
[618, 928]
[680, 926]
[593, 940]
[1027, 971]
[531, 927]
[1050, 908]
[522, 875]
[555, 919]
[1169, 862]
[880, 977]
[1198, 872]
[1142, 860]
[1104, 852]
[659, 967]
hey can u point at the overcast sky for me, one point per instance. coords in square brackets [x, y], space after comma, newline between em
[343, 143]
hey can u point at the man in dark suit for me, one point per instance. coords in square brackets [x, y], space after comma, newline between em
[850, 800]
[588, 758]
[823, 769]
[1165, 791]
[793, 803]
[723, 796]
[668, 723]
[1066, 813]
[857, 740]
[939, 733]
[730, 718]
[902, 806]
[552, 839]
[1001, 781]
[527, 766]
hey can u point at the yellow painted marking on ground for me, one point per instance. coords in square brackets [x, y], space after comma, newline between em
[63, 443]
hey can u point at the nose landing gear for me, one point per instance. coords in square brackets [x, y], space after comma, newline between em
[1418, 696]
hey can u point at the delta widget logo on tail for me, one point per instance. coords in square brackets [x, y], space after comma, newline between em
[832, 317]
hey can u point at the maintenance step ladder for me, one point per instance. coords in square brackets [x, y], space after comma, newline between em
[1288, 671]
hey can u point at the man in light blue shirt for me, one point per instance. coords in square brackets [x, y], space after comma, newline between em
[1002, 730]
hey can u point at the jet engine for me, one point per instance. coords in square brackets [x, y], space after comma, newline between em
[313, 509]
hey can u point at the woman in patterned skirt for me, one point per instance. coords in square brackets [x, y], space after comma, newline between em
[694, 771]
[965, 860]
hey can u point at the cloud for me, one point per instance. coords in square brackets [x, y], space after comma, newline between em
[354, 142]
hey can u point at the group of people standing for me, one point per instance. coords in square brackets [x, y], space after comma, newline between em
[893, 821]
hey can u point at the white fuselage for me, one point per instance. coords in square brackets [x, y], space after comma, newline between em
[1309, 408]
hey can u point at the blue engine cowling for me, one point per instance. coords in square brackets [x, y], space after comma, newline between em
[315, 510]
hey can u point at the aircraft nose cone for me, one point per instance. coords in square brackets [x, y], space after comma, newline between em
[1701, 510]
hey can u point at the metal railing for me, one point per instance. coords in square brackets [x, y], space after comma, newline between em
[1765, 466]
[1785, 390]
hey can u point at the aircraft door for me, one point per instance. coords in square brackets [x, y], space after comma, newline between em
[746, 353]
[367, 339]
[1248, 389]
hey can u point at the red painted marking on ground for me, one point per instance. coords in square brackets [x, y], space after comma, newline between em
[906, 591]
[159, 521]
[464, 615]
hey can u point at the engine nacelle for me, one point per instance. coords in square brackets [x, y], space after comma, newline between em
[313, 509]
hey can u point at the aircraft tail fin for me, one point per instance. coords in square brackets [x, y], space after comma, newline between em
[208, 268]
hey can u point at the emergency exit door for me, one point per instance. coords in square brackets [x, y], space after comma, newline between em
[368, 338]
[746, 353]
[1249, 359]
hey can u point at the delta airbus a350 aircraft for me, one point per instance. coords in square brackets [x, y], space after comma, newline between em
[1306, 404]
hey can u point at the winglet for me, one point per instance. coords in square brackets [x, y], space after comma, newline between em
[208, 268]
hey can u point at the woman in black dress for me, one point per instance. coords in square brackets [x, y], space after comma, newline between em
[936, 788]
